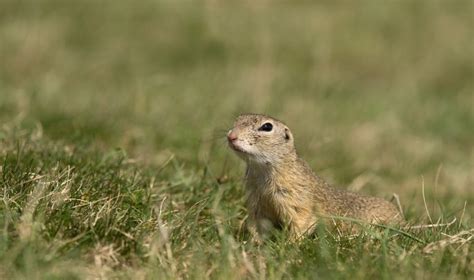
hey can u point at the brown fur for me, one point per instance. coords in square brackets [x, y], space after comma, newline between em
[283, 191]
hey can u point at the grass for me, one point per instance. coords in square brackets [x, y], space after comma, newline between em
[113, 162]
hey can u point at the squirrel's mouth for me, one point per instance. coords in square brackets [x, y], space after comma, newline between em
[236, 148]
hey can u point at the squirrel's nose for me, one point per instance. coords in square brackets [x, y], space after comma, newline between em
[231, 136]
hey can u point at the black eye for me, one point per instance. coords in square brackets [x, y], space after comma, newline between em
[266, 127]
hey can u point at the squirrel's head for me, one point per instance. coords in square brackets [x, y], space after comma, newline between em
[261, 139]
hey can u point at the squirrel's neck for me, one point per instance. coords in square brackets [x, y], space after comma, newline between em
[269, 173]
[293, 173]
[282, 164]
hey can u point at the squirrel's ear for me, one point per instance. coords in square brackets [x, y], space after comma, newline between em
[287, 134]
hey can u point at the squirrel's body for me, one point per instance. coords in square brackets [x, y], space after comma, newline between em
[283, 191]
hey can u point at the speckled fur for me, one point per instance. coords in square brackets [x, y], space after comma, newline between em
[283, 191]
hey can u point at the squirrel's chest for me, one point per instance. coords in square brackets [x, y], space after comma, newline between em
[269, 199]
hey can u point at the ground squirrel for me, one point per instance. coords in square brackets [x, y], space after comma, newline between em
[282, 190]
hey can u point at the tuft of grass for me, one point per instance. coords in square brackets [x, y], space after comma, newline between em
[76, 212]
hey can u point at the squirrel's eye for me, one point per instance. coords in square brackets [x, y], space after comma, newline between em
[266, 127]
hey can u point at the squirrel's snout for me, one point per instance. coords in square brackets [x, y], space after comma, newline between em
[231, 136]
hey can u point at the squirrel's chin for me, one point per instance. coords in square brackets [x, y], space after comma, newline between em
[245, 155]
[236, 148]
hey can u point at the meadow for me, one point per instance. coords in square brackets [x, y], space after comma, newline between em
[113, 116]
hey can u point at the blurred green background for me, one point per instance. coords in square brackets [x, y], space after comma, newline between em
[378, 94]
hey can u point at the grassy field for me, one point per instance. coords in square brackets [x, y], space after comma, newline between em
[113, 117]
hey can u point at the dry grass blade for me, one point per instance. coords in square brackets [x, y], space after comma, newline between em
[424, 198]
[462, 238]
[26, 225]
[391, 228]
[399, 205]
[410, 227]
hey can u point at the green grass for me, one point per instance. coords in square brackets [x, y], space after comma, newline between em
[113, 116]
